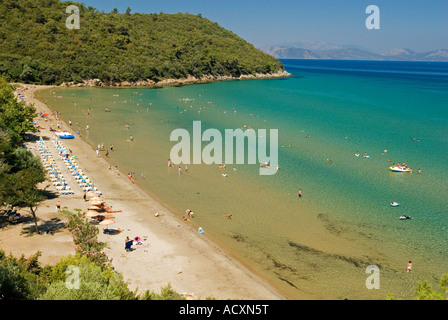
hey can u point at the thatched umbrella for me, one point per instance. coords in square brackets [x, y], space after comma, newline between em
[91, 194]
[107, 222]
[91, 213]
[95, 202]
[94, 208]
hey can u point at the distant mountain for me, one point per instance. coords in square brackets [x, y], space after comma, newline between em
[323, 50]
[410, 55]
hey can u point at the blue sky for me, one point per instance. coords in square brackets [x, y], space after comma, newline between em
[420, 25]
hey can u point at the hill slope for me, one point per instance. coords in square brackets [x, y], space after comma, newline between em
[37, 47]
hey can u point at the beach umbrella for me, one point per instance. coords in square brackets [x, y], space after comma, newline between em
[95, 202]
[107, 222]
[91, 213]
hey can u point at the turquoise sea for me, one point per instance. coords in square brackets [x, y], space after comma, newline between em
[318, 246]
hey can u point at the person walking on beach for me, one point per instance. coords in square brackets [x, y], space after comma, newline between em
[58, 206]
[84, 195]
[409, 266]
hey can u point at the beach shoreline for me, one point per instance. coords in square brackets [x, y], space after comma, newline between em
[177, 82]
[177, 255]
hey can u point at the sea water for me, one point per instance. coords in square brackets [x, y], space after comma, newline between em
[318, 246]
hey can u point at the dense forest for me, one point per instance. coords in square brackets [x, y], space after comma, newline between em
[37, 47]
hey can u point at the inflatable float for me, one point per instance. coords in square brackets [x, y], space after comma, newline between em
[394, 204]
[64, 135]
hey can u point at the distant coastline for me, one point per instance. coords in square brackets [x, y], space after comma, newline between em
[176, 82]
[322, 51]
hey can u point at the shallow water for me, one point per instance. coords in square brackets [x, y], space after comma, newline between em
[317, 246]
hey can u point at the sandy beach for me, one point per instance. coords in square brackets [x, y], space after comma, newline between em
[177, 254]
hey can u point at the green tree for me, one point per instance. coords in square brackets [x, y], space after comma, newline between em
[94, 284]
[425, 290]
[20, 171]
[36, 47]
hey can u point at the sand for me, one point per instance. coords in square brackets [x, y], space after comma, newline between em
[175, 254]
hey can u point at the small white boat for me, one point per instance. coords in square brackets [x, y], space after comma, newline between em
[399, 169]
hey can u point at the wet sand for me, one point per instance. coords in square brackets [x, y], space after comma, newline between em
[177, 254]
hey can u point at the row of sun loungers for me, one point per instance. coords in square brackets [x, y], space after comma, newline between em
[55, 173]
[78, 174]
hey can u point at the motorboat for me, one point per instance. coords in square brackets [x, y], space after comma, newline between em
[400, 169]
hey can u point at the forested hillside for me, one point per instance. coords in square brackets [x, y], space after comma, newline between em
[37, 47]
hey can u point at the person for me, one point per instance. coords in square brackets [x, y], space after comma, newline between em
[84, 196]
[128, 243]
[58, 206]
[179, 170]
[409, 266]
[300, 193]
[111, 148]
[419, 171]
